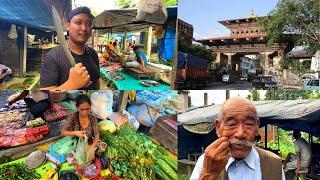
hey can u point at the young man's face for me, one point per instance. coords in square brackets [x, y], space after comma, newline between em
[80, 28]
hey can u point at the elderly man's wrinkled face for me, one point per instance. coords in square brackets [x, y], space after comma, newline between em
[240, 124]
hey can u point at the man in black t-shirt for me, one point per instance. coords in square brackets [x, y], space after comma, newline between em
[56, 71]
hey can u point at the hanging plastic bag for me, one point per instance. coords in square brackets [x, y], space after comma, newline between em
[65, 145]
[101, 106]
[153, 11]
[81, 151]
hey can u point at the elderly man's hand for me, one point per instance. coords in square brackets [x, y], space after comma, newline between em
[215, 158]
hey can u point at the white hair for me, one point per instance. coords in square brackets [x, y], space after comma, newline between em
[220, 115]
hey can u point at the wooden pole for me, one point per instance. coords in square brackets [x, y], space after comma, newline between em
[124, 44]
[175, 61]
[266, 136]
[23, 51]
[123, 98]
[227, 94]
[149, 43]
[205, 99]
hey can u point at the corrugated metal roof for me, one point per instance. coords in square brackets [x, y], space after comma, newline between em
[303, 115]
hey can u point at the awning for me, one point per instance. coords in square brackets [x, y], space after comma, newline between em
[30, 13]
[121, 20]
[303, 115]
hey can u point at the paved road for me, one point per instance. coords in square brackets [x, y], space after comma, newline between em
[237, 85]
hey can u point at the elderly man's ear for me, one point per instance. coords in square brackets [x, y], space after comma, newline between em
[217, 125]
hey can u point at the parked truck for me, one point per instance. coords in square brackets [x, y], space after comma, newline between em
[192, 71]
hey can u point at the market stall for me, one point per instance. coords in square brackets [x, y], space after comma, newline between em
[129, 135]
[116, 77]
[26, 34]
[196, 125]
[125, 21]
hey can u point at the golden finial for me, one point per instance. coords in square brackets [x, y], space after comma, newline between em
[251, 15]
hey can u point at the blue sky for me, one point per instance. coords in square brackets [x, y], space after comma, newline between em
[205, 14]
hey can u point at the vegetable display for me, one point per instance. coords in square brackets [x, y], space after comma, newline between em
[134, 155]
[17, 171]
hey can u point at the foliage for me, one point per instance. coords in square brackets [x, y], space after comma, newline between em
[126, 3]
[315, 95]
[294, 20]
[171, 2]
[130, 3]
[296, 67]
[286, 143]
[17, 171]
[135, 154]
[291, 94]
[255, 95]
[194, 49]
[286, 140]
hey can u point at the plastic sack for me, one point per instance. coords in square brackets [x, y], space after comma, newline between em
[153, 11]
[141, 113]
[101, 104]
[81, 151]
[131, 120]
[118, 119]
[65, 145]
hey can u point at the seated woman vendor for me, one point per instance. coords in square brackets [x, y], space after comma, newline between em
[82, 122]
[110, 55]
[141, 59]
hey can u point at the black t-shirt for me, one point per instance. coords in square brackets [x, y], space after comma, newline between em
[55, 68]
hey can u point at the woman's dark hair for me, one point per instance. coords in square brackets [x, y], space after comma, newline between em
[82, 98]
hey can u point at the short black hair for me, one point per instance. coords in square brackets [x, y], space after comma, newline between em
[83, 98]
[79, 10]
[296, 134]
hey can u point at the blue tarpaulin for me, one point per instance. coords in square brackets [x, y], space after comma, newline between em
[166, 50]
[192, 61]
[30, 13]
[182, 60]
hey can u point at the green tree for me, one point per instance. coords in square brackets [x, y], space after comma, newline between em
[194, 49]
[315, 95]
[130, 3]
[288, 94]
[126, 3]
[296, 20]
[171, 2]
[286, 144]
[296, 67]
[255, 95]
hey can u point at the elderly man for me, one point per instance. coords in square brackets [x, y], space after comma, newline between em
[56, 71]
[233, 156]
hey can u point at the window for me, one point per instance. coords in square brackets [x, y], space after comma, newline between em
[315, 83]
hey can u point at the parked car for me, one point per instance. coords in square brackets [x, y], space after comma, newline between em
[264, 82]
[312, 84]
[228, 78]
[306, 77]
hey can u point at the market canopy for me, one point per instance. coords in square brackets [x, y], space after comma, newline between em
[303, 115]
[30, 13]
[121, 20]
